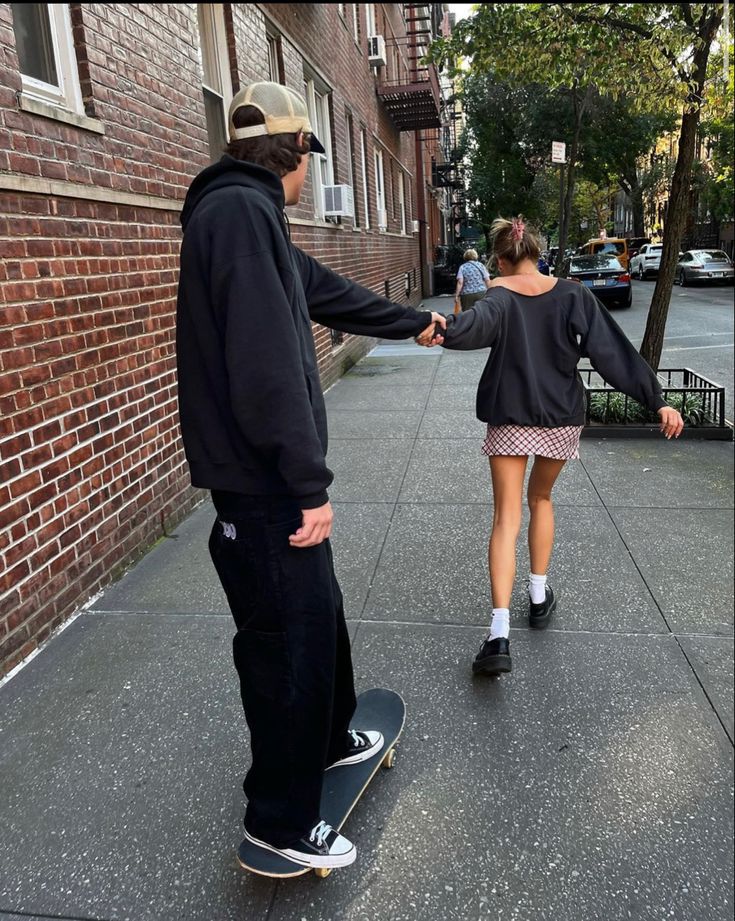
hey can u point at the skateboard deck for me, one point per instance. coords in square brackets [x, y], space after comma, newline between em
[379, 709]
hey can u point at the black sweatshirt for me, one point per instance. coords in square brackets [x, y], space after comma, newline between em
[252, 414]
[536, 342]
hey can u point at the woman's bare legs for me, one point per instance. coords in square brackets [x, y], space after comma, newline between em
[508, 473]
[544, 472]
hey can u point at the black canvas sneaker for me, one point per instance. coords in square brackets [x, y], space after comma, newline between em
[360, 747]
[322, 847]
[493, 657]
[540, 614]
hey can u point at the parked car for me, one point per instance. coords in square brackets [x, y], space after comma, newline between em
[613, 246]
[704, 265]
[604, 275]
[647, 261]
[635, 244]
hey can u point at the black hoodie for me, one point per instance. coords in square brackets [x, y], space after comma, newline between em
[252, 414]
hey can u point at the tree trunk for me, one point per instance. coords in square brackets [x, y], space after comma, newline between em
[676, 214]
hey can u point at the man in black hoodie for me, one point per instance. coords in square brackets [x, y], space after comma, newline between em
[254, 428]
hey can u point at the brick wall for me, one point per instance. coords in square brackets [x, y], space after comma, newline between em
[91, 466]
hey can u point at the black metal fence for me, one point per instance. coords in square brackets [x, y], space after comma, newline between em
[700, 401]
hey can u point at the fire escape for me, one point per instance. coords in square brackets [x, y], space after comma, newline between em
[412, 96]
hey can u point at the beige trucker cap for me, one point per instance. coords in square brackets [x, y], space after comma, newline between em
[283, 109]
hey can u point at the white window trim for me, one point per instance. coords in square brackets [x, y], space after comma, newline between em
[214, 13]
[380, 189]
[351, 166]
[370, 24]
[402, 199]
[317, 101]
[356, 21]
[363, 158]
[68, 94]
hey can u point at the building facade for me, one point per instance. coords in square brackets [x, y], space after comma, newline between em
[107, 112]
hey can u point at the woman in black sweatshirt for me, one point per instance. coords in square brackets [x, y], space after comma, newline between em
[531, 397]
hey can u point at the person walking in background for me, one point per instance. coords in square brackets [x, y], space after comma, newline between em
[254, 428]
[531, 397]
[472, 281]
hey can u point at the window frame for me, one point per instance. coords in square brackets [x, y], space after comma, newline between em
[379, 168]
[68, 93]
[213, 38]
[365, 191]
[317, 97]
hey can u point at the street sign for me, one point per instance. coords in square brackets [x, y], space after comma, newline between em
[558, 152]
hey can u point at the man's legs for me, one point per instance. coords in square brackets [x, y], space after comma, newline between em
[289, 649]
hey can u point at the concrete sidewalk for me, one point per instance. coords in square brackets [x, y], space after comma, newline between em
[593, 784]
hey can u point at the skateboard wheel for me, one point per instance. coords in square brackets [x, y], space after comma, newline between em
[322, 872]
[390, 759]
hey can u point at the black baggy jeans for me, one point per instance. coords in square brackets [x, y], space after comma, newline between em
[292, 655]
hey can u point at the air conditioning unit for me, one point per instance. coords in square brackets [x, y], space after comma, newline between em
[338, 201]
[376, 50]
[414, 226]
[382, 219]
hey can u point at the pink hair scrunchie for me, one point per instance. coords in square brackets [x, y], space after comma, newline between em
[517, 228]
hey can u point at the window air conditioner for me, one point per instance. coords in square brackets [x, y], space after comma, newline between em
[338, 201]
[382, 219]
[376, 50]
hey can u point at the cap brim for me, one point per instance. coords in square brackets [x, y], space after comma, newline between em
[315, 145]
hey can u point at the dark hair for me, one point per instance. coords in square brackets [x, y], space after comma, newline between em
[514, 240]
[277, 152]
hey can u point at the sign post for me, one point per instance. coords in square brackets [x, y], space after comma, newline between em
[559, 155]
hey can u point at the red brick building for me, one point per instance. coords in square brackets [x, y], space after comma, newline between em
[107, 112]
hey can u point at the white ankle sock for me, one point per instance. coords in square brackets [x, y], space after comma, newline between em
[537, 588]
[500, 624]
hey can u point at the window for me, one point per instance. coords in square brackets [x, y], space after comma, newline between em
[216, 83]
[45, 46]
[356, 21]
[275, 58]
[370, 20]
[363, 159]
[402, 200]
[352, 172]
[380, 191]
[317, 101]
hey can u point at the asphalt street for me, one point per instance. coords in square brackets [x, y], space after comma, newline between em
[699, 331]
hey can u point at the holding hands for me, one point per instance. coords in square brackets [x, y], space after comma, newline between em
[432, 335]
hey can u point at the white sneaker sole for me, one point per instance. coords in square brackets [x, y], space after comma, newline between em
[305, 860]
[360, 756]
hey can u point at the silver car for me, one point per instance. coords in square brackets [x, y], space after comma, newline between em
[704, 265]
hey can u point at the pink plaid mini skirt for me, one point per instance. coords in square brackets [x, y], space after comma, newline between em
[559, 443]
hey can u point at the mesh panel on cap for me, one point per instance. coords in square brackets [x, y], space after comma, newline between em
[283, 109]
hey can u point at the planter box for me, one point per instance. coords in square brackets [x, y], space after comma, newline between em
[688, 391]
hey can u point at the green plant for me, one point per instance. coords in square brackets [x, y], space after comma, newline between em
[610, 407]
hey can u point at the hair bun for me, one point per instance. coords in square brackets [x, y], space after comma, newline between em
[517, 228]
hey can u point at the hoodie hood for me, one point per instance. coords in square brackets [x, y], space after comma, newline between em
[229, 171]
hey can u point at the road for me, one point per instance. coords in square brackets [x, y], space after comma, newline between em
[699, 331]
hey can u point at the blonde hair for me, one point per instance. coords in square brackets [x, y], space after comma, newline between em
[514, 240]
[470, 254]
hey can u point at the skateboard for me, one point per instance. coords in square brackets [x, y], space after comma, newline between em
[379, 709]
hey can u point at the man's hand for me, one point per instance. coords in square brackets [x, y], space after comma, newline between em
[671, 422]
[316, 526]
[430, 336]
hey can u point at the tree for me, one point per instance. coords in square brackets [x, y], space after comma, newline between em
[642, 50]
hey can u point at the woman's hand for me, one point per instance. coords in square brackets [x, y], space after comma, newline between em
[671, 422]
[430, 335]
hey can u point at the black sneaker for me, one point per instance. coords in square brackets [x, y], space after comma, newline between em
[322, 847]
[493, 657]
[540, 614]
[360, 747]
